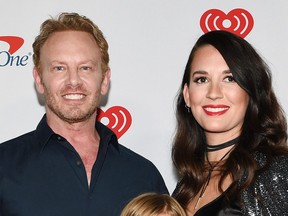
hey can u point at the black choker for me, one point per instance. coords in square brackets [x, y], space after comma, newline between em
[222, 146]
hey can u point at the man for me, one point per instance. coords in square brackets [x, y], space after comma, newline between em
[71, 164]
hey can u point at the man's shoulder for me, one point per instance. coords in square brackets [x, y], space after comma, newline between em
[18, 143]
[132, 156]
[121, 153]
[15, 152]
[132, 161]
[136, 169]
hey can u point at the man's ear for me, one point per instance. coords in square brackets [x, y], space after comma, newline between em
[38, 81]
[105, 82]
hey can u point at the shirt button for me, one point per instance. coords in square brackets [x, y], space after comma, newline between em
[59, 138]
[78, 163]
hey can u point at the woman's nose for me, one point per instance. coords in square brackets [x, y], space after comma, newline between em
[214, 91]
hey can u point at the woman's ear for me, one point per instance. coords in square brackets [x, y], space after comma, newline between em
[186, 96]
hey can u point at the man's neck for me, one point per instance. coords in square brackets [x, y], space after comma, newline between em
[82, 136]
[79, 132]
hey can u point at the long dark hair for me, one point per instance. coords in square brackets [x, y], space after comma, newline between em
[264, 129]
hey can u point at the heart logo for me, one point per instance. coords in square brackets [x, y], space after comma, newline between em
[237, 21]
[117, 118]
[14, 42]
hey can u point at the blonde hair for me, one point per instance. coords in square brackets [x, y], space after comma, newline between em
[153, 204]
[65, 22]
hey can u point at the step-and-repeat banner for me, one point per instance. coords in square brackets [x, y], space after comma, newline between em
[150, 41]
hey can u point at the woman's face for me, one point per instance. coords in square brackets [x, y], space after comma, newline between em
[217, 102]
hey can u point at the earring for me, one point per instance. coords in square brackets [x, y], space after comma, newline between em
[188, 108]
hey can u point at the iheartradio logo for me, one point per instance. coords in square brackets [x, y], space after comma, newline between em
[14, 43]
[117, 118]
[7, 57]
[237, 21]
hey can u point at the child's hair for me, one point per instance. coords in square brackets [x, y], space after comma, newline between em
[153, 204]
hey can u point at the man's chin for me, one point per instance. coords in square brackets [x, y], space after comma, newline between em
[71, 117]
[76, 119]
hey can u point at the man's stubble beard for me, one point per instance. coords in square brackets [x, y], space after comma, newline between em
[70, 114]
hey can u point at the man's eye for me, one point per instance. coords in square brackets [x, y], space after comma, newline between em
[58, 68]
[85, 68]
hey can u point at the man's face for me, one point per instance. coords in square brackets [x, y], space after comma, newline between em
[71, 79]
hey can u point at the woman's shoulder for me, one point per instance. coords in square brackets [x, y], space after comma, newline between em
[280, 162]
[277, 165]
[268, 193]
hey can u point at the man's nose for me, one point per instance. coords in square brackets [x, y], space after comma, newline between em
[74, 77]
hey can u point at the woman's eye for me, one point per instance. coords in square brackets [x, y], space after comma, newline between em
[229, 79]
[200, 80]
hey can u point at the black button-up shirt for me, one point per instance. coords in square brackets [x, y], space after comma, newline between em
[41, 174]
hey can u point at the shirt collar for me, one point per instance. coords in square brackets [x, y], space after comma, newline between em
[44, 134]
[106, 135]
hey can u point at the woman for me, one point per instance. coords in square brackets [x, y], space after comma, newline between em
[153, 204]
[230, 146]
